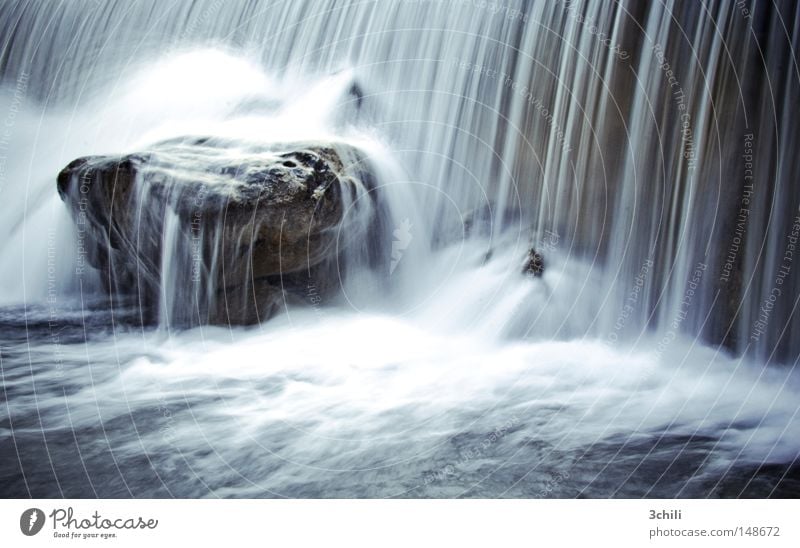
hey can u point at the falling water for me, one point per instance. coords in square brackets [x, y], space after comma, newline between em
[648, 151]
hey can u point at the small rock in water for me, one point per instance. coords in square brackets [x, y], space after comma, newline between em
[534, 264]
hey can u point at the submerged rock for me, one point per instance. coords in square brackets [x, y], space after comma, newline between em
[212, 231]
[534, 263]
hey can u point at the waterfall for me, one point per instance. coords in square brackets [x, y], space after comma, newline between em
[652, 143]
[564, 236]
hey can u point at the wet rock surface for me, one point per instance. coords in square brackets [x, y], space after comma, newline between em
[212, 231]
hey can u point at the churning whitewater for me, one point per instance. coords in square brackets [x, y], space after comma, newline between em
[651, 353]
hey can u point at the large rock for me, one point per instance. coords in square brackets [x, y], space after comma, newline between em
[204, 230]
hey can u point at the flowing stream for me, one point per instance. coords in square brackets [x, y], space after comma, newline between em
[647, 150]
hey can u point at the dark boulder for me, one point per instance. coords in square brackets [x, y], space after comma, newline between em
[208, 230]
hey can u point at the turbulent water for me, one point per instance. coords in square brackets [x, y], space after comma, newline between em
[647, 151]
